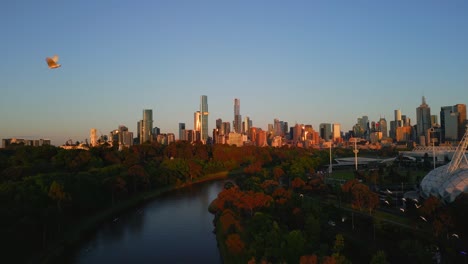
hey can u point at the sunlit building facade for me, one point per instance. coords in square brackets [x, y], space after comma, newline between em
[204, 118]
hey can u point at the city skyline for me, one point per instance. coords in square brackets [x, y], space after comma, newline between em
[305, 62]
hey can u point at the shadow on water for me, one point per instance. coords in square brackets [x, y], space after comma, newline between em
[173, 228]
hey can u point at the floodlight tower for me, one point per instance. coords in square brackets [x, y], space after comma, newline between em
[356, 151]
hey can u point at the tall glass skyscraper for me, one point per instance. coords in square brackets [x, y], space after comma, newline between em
[146, 126]
[237, 124]
[204, 117]
[423, 116]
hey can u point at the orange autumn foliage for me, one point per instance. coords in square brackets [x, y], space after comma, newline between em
[227, 198]
[229, 220]
[269, 186]
[308, 259]
[297, 183]
[281, 196]
[252, 201]
[328, 260]
[234, 244]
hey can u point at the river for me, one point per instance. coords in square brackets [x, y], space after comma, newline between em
[174, 228]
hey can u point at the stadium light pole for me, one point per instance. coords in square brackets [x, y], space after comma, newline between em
[355, 153]
[330, 168]
[431, 131]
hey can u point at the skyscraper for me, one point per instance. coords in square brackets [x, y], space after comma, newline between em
[423, 116]
[398, 119]
[182, 131]
[452, 122]
[204, 117]
[197, 121]
[383, 127]
[93, 137]
[461, 109]
[336, 132]
[219, 122]
[237, 123]
[146, 126]
[325, 131]
[247, 124]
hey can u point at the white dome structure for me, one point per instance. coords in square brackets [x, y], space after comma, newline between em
[449, 181]
[444, 185]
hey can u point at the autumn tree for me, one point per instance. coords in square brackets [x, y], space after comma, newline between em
[252, 201]
[229, 222]
[308, 259]
[234, 244]
[297, 184]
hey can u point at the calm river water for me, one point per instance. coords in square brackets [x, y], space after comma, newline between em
[173, 228]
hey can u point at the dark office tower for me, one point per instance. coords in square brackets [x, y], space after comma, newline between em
[423, 123]
[219, 123]
[139, 125]
[204, 117]
[146, 126]
[182, 131]
[325, 131]
[452, 122]
[383, 127]
[461, 109]
[237, 124]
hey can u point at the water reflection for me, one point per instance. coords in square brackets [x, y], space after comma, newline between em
[175, 228]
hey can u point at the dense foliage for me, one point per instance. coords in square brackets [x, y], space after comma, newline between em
[46, 191]
[285, 213]
[279, 208]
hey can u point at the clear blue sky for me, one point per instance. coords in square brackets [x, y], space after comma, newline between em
[308, 62]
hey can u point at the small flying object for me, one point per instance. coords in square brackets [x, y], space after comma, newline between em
[389, 191]
[386, 202]
[423, 218]
[455, 235]
[404, 199]
[417, 205]
[403, 210]
[52, 62]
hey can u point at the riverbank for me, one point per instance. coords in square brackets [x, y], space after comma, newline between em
[72, 237]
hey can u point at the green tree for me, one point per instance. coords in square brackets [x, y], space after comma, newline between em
[379, 258]
[294, 246]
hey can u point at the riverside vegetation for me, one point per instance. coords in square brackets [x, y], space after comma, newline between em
[277, 210]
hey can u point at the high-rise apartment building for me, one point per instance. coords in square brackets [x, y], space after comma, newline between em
[237, 123]
[423, 123]
[146, 126]
[204, 118]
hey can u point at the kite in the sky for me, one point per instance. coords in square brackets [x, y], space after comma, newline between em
[52, 62]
